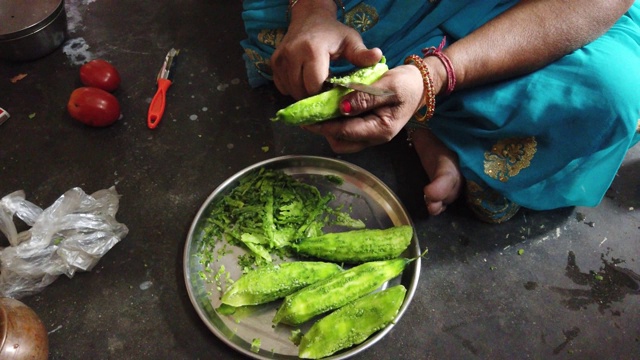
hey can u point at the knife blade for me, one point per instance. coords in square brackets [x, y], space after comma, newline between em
[365, 88]
[164, 80]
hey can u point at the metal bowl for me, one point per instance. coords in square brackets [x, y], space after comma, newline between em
[31, 29]
[22, 334]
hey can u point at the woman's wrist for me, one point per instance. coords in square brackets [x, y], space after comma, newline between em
[305, 8]
[438, 74]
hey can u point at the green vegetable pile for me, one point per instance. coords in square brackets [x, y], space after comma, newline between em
[266, 212]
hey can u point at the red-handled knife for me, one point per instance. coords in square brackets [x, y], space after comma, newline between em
[164, 80]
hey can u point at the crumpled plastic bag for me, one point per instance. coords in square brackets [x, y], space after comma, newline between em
[71, 235]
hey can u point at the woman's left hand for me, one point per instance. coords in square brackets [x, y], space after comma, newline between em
[372, 120]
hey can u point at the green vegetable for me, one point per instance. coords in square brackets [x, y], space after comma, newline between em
[269, 283]
[357, 246]
[325, 105]
[265, 212]
[225, 309]
[255, 345]
[352, 324]
[296, 336]
[337, 291]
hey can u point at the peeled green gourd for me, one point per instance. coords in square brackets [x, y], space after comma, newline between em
[326, 105]
[352, 324]
[357, 246]
[270, 283]
[337, 290]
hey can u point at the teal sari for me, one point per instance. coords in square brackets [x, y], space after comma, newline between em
[550, 139]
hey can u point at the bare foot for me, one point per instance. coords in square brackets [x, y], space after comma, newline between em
[441, 165]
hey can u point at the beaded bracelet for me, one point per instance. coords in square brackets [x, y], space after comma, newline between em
[437, 52]
[429, 92]
[292, 3]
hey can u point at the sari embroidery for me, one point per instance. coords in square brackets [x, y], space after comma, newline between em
[488, 205]
[362, 17]
[271, 37]
[259, 62]
[508, 157]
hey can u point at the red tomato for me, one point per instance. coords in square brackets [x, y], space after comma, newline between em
[101, 74]
[93, 106]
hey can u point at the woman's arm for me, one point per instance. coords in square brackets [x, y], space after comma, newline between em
[523, 39]
[530, 35]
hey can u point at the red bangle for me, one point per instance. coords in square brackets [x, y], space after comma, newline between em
[429, 92]
[437, 52]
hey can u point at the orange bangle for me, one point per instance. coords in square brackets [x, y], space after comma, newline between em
[429, 91]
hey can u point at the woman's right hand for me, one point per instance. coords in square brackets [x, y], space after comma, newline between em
[301, 61]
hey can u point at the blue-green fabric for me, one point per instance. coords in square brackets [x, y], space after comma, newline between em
[399, 27]
[550, 139]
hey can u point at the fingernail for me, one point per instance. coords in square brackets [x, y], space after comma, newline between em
[345, 107]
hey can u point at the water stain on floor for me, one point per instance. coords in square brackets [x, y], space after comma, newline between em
[610, 284]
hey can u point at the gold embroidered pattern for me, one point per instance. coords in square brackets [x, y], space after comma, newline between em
[271, 37]
[263, 65]
[508, 157]
[362, 17]
[488, 205]
[638, 128]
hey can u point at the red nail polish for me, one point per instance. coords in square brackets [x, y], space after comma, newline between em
[345, 107]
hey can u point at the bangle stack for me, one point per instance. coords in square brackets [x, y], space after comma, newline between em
[292, 3]
[437, 52]
[429, 93]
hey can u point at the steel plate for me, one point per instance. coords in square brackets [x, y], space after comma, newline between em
[369, 199]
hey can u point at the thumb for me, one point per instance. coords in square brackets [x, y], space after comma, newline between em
[357, 53]
[364, 57]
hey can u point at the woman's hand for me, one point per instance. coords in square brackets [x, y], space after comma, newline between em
[372, 120]
[301, 61]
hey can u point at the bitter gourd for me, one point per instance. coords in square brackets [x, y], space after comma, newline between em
[269, 283]
[357, 246]
[337, 290]
[326, 105]
[352, 324]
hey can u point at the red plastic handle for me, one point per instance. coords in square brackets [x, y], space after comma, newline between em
[156, 109]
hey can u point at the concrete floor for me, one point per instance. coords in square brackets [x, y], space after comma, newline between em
[571, 293]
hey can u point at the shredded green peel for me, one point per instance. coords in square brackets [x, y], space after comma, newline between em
[265, 213]
[255, 345]
[296, 336]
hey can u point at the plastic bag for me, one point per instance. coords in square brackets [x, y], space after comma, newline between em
[71, 235]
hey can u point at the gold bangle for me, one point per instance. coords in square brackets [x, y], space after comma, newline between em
[292, 3]
[429, 92]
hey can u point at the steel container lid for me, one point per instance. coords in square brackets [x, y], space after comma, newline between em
[19, 18]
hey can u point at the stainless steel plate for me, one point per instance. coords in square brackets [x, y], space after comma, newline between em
[369, 199]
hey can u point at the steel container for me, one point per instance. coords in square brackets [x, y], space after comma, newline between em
[31, 29]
